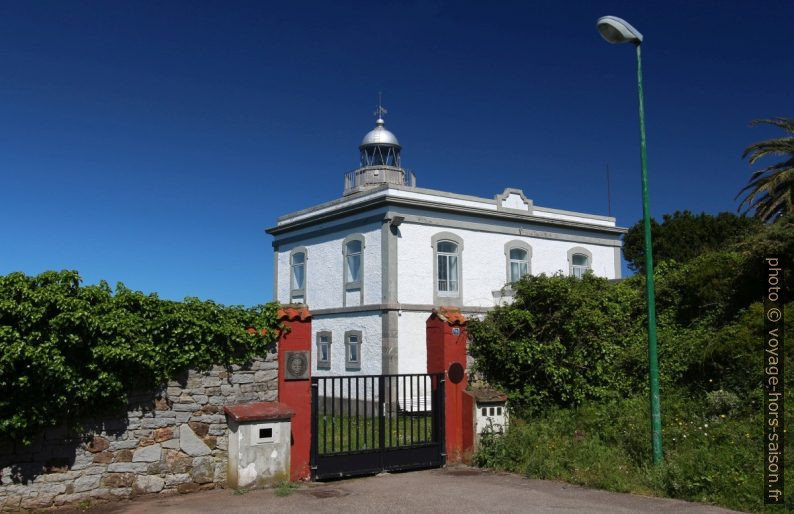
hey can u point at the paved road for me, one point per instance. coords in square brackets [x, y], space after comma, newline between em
[454, 490]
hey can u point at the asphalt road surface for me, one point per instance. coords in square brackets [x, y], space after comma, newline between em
[455, 490]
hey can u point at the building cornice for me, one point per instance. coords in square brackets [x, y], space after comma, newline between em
[389, 307]
[388, 200]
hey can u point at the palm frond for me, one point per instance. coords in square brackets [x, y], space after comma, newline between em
[769, 192]
[781, 146]
[786, 124]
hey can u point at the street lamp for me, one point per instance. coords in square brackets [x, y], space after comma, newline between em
[616, 30]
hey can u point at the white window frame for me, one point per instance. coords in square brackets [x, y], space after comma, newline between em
[572, 268]
[450, 263]
[516, 245]
[451, 298]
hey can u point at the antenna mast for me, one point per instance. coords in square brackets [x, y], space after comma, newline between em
[609, 195]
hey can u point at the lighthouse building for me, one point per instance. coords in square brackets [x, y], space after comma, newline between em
[372, 264]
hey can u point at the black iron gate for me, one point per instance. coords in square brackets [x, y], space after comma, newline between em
[365, 424]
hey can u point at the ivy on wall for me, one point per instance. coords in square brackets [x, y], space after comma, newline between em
[70, 352]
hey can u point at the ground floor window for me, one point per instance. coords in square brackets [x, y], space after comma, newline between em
[353, 350]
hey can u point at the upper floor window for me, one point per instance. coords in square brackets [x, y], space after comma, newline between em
[519, 264]
[580, 261]
[298, 270]
[518, 257]
[579, 265]
[447, 269]
[353, 262]
[298, 274]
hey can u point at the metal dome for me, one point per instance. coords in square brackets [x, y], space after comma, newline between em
[379, 136]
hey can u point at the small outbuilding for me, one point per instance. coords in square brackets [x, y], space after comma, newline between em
[259, 444]
[488, 412]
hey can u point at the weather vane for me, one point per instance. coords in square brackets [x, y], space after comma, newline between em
[380, 111]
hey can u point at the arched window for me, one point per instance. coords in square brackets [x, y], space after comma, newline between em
[580, 261]
[448, 276]
[298, 275]
[579, 265]
[518, 255]
[447, 268]
[519, 265]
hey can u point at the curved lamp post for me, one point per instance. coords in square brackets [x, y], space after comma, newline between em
[616, 30]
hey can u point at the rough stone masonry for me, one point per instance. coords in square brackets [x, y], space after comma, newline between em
[171, 441]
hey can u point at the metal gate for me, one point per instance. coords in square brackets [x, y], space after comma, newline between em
[365, 424]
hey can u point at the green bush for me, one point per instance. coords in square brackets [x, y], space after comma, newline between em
[572, 357]
[559, 341]
[69, 351]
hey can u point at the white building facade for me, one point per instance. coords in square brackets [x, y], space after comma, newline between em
[373, 264]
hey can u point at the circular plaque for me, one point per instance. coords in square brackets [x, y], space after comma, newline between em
[455, 373]
[297, 364]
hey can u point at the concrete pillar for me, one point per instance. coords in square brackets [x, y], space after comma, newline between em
[296, 392]
[446, 352]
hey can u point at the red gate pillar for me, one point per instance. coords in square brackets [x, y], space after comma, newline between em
[446, 353]
[296, 392]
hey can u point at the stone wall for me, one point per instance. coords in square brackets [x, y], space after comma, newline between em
[171, 441]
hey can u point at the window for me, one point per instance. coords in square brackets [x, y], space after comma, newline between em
[353, 270]
[580, 261]
[519, 265]
[447, 269]
[579, 265]
[298, 275]
[298, 269]
[324, 350]
[353, 262]
[353, 350]
[518, 255]
[447, 255]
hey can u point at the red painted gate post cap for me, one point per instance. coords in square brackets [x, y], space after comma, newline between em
[258, 411]
[449, 315]
[293, 312]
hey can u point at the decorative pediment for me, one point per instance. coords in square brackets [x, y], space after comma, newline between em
[513, 200]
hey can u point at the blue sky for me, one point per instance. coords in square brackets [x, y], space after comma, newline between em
[153, 142]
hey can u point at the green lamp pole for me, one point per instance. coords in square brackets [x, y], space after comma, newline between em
[616, 30]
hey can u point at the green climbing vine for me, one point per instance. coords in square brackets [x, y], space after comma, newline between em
[68, 351]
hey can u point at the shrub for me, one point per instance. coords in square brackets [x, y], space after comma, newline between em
[558, 343]
[721, 403]
[607, 445]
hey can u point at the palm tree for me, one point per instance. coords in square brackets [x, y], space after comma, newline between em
[770, 190]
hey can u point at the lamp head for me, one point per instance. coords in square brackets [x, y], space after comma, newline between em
[616, 30]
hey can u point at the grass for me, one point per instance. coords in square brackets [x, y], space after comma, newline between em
[353, 433]
[708, 458]
[284, 488]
